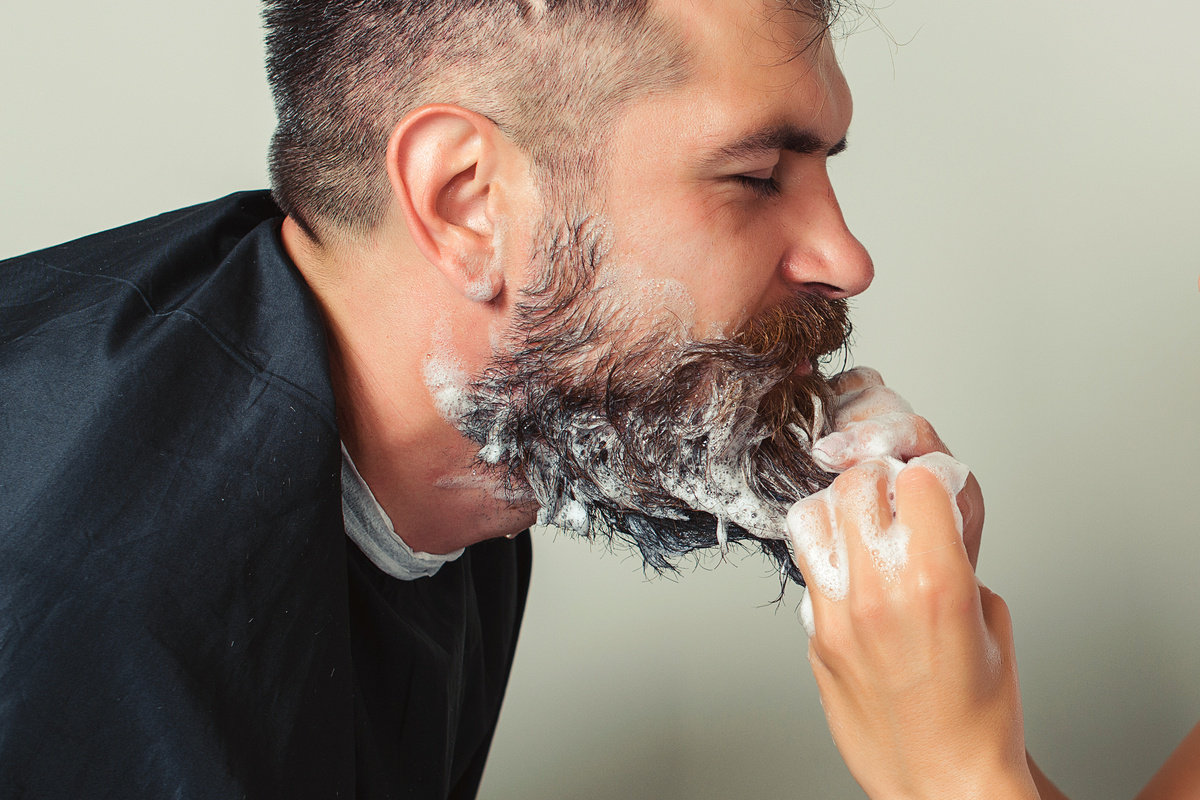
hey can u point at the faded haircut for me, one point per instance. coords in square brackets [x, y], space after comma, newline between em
[552, 74]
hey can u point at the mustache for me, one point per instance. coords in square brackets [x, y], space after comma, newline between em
[738, 404]
[747, 383]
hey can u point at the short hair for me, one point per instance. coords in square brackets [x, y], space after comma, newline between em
[550, 73]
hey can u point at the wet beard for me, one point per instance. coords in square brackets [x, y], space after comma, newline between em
[671, 445]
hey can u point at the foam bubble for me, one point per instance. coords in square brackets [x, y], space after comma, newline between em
[573, 518]
[673, 297]
[725, 490]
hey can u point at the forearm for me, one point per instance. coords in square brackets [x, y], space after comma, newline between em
[1045, 787]
[1179, 777]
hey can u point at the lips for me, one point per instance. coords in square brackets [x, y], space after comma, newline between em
[805, 367]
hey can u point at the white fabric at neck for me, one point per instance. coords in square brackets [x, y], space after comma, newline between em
[369, 527]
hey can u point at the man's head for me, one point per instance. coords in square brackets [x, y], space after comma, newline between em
[663, 265]
[552, 76]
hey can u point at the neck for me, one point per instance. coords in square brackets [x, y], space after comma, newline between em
[385, 318]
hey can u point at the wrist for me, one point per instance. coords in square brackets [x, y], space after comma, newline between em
[1008, 783]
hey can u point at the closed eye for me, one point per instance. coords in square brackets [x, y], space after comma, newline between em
[763, 187]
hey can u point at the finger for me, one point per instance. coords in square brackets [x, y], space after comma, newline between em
[996, 616]
[891, 435]
[864, 519]
[877, 438]
[925, 508]
[855, 380]
[951, 474]
[970, 504]
[872, 401]
[895, 435]
[817, 549]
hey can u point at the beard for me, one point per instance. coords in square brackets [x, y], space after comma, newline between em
[622, 427]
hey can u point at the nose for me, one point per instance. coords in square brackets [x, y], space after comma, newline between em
[824, 257]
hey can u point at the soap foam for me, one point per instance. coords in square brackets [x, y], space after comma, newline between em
[872, 401]
[871, 421]
[882, 436]
[816, 534]
[807, 618]
[479, 291]
[445, 374]
[858, 501]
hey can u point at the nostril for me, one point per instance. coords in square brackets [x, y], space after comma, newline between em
[826, 290]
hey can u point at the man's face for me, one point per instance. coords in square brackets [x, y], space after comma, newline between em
[664, 387]
[718, 199]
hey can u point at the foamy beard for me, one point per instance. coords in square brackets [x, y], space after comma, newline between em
[722, 489]
[671, 446]
[817, 526]
[717, 483]
[448, 382]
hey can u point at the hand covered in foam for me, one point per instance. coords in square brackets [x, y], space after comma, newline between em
[913, 657]
[872, 421]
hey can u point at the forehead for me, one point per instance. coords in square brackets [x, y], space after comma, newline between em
[754, 64]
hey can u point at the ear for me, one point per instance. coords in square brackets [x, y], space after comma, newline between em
[443, 163]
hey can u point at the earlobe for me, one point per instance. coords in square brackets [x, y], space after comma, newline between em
[442, 166]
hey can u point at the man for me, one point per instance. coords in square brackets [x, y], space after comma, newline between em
[578, 260]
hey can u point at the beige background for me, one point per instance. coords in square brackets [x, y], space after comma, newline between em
[1026, 175]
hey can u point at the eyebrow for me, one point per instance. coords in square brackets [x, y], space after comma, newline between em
[775, 137]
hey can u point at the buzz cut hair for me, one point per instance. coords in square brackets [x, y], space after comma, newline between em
[551, 74]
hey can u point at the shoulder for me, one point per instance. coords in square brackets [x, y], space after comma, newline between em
[159, 258]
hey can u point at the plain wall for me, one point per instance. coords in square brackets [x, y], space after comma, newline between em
[1026, 175]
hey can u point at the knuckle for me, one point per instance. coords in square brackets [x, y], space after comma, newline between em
[925, 433]
[856, 379]
[994, 603]
[833, 644]
[868, 473]
[868, 608]
[934, 592]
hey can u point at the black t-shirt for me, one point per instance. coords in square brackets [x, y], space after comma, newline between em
[181, 613]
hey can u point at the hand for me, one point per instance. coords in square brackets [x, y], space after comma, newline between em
[913, 657]
[873, 421]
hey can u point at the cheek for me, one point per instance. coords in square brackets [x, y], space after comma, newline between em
[728, 265]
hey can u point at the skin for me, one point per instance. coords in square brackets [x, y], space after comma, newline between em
[684, 208]
[917, 671]
[459, 218]
[450, 257]
[678, 208]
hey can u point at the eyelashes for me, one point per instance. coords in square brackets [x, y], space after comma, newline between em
[763, 187]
